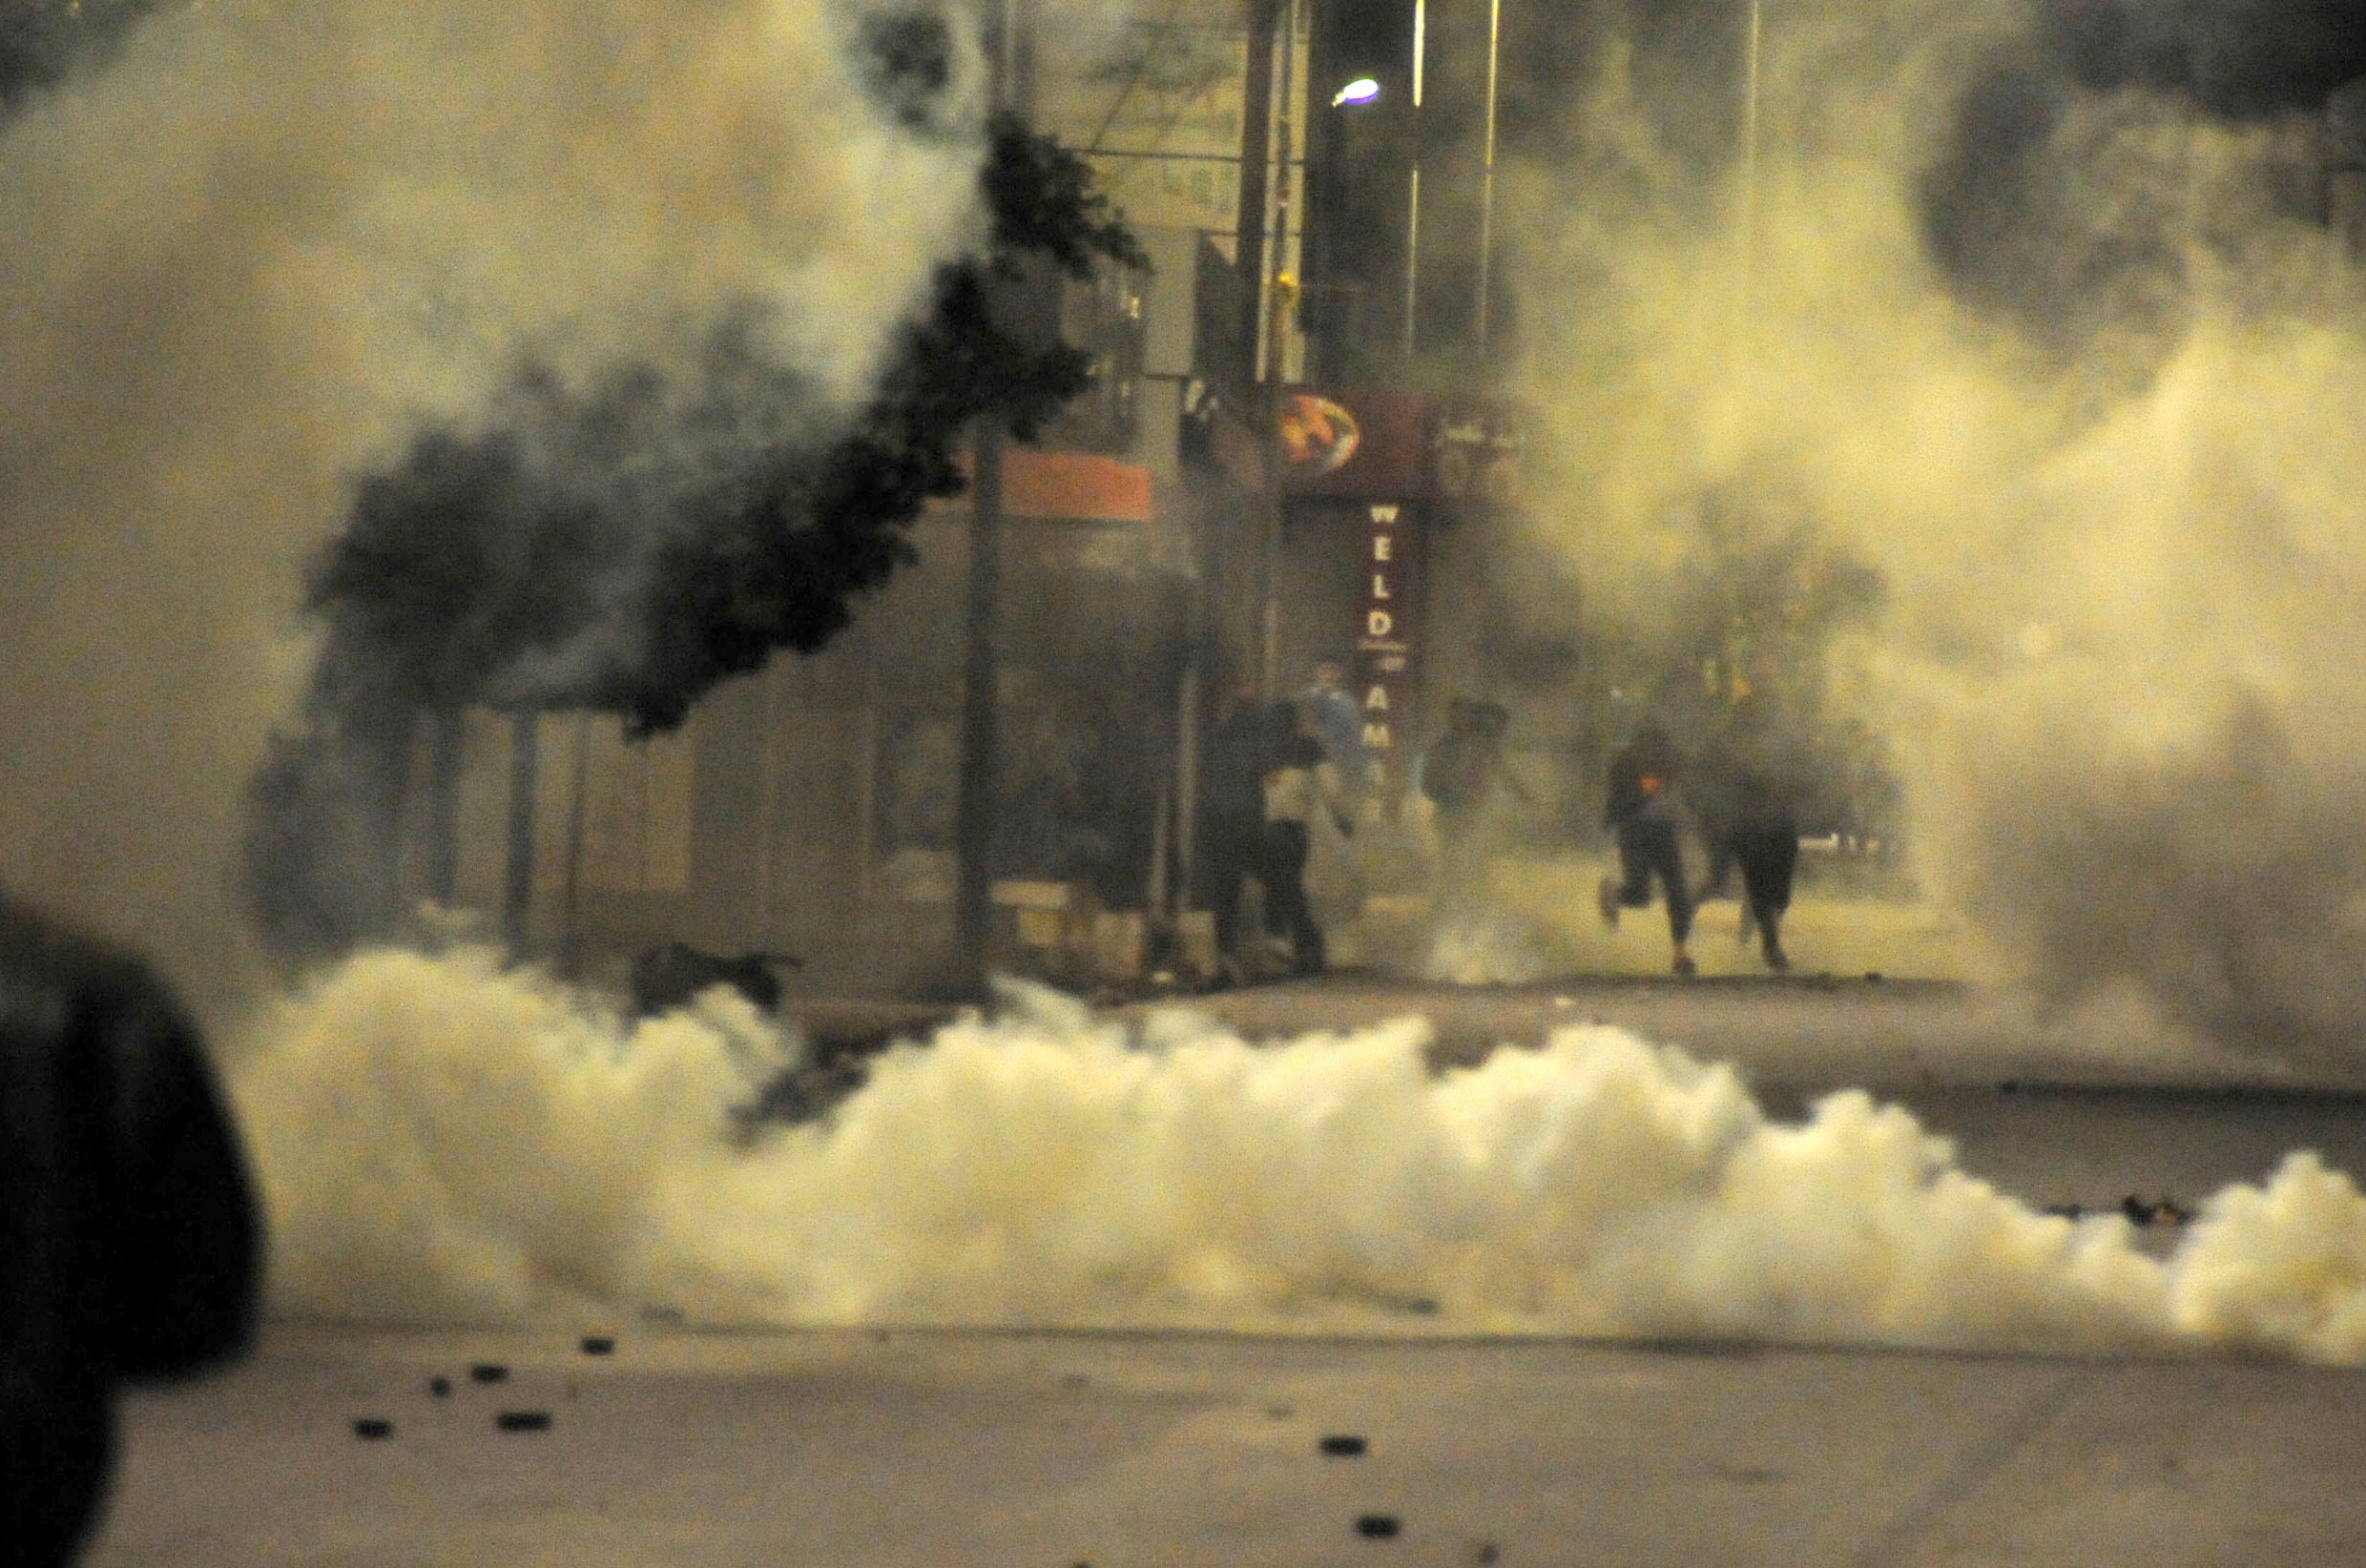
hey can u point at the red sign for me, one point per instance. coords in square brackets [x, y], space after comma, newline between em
[1385, 452]
[1374, 446]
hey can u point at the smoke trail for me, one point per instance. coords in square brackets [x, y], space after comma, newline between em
[439, 1140]
[2234, 58]
[267, 243]
[2078, 373]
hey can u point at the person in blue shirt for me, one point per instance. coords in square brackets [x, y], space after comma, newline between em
[1337, 722]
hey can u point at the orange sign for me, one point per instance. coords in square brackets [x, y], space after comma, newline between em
[1317, 436]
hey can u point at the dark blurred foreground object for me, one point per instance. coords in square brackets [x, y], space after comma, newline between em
[668, 977]
[129, 1241]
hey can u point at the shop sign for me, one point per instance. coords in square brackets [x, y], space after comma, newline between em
[1384, 640]
[1369, 444]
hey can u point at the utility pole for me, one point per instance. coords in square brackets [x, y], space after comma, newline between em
[447, 737]
[1262, 399]
[1746, 226]
[1256, 135]
[1413, 188]
[517, 896]
[981, 730]
[1487, 174]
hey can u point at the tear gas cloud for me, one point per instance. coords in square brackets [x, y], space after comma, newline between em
[2033, 311]
[439, 1140]
[267, 245]
[267, 242]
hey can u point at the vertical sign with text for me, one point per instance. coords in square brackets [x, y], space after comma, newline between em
[1384, 640]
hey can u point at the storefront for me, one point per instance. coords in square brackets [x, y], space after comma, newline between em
[808, 808]
[1374, 482]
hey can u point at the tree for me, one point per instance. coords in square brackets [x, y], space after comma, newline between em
[623, 549]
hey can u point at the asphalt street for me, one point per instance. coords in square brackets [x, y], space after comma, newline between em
[1035, 1451]
[908, 1447]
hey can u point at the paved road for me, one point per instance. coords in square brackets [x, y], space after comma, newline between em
[1027, 1451]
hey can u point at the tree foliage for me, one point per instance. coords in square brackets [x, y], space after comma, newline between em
[625, 546]
[558, 562]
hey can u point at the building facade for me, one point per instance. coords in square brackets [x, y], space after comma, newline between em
[1202, 519]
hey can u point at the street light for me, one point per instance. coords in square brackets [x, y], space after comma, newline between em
[1364, 89]
[1486, 185]
[1745, 229]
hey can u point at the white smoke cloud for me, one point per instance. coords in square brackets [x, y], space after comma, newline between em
[2105, 458]
[269, 242]
[439, 1140]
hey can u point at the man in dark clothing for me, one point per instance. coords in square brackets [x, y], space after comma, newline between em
[1293, 792]
[1642, 810]
[1461, 773]
[129, 1241]
[1760, 762]
[1231, 819]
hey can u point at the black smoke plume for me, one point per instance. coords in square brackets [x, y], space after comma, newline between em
[2237, 59]
[624, 549]
[2010, 209]
[42, 42]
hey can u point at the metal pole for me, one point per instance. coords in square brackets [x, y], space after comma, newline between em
[446, 740]
[981, 731]
[1487, 179]
[1271, 372]
[517, 902]
[1257, 130]
[570, 888]
[1273, 357]
[1413, 191]
[1261, 399]
[1746, 238]
[772, 795]
[980, 734]
[1186, 785]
